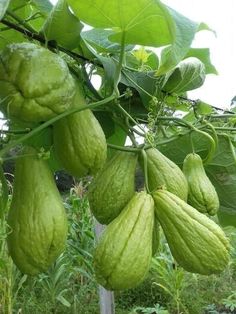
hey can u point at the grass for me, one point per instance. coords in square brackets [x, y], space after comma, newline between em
[70, 286]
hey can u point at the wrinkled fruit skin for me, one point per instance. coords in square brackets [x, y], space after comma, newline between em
[37, 218]
[113, 187]
[124, 252]
[164, 172]
[35, 84]
[201, 192]
[196, 242]
[79, 141]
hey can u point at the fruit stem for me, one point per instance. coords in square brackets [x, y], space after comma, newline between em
[215, 136]
[132, 138]
[124, 148]
[191, 141]
[211, 152]
[130, 117]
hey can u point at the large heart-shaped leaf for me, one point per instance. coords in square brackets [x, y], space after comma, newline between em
[144, 22]
[185, 32]
[99, 39]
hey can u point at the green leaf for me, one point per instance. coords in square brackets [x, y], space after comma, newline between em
[43, 139]
[8, 36]
[3, 7]
[173, 102]
[117, 138]
[25, 11]
[188, 75]
[63, 301]
[144, 22]
[203, 54]
[109, 66]
[106, 122]
[185, 32]
[67, 35]
[144, 82]
[203, 108]
[45, 6]
[98, 38]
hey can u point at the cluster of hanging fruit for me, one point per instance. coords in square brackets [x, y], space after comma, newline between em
[179, 202]
[35, 86]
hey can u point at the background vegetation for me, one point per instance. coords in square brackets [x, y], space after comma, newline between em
[70, 287]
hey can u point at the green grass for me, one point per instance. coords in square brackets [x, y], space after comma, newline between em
[70, 286]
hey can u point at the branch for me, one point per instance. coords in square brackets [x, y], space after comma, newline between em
[41, 39]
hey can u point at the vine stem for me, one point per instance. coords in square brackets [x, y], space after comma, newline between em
[17, 156]
[36, 36]
[53, 120]
[193, 128]
[130, 117]
[120, 64]
[145, 166]
[222, 116]
[26, 130]
[124, 148]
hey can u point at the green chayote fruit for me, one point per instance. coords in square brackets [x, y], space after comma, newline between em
[37, 218]
[124, 251]
[35, 83]
[79, 141]
[197, 243]
[164, 172]
[113, 187]
[201, 192]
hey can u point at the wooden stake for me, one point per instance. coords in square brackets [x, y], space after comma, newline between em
[106, 298]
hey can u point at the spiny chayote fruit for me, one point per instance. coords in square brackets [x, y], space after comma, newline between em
[79, 141]
[162, 172]
[35, 83]
[37, 218]
[201, 192]
[197, 243]
[124, 251]
[113, 187]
